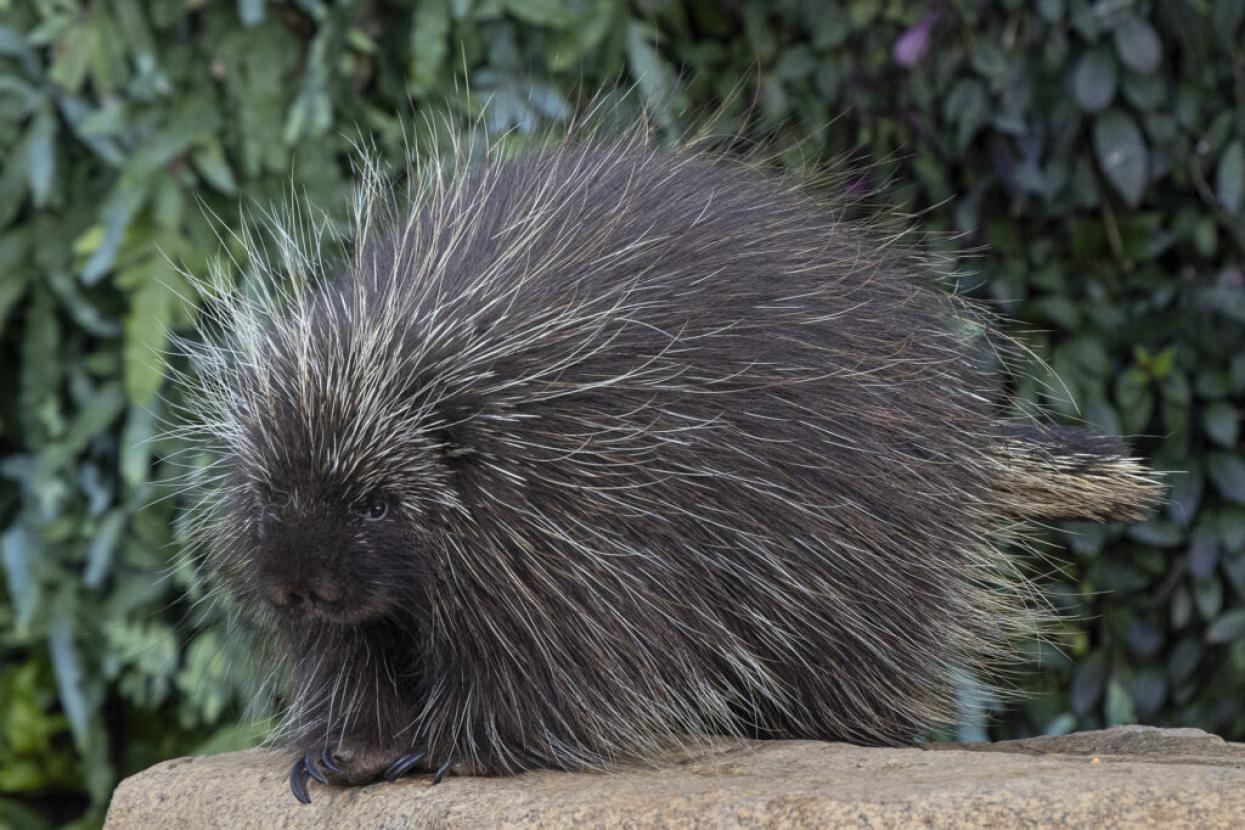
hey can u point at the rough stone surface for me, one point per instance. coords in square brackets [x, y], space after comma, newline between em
[1128, 776]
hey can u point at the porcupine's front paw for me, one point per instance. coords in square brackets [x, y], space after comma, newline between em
[350, 765]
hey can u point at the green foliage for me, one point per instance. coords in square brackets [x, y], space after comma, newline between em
[1094, 148]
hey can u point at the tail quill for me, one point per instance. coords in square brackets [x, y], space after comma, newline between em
[1069, 473]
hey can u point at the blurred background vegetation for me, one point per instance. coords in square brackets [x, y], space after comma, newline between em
[1096, 150]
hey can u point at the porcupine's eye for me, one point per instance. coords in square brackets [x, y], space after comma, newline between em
[374, 508]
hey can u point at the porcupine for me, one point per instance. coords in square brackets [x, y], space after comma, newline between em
[583, 455]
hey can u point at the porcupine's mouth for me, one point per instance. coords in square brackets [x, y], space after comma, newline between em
[341, 612]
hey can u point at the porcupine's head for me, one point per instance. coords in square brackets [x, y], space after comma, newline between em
[333, 447]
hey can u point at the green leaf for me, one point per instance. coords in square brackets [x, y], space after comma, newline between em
[93, 418]
[1088, 683]
[41, 367]
[555, 13]
[99, 554]
[21, 551]
[251, 12]
[1148, 691]
[67, 663]
[1157, 533]
[1230, 177]
[1222, 423]
[1094, 80]
[146, 330]
[1135, 398]
[13, 186]
[1052, 11]
[196, 118]
[1231, 525]
[1119, 708]
[41, 155]
[14, 247]
[209, 159]
[1227, 16]
[1185, 496]
[15, 814]
[429, 45]
[574, 42]
[1184, 659]
[1181, 610]
[967, 107]
[14, 45]
[1208, 596]
[76, 50]
[1229, 627]
[79, 116]
[1203, 551]
[652, 74]
[1150, 93]
[74, 300]
[1138, 44]
[136, 445]
[1227, 471]
[117, 212]
[1122, 154]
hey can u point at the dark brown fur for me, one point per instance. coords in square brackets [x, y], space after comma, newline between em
[664, 448]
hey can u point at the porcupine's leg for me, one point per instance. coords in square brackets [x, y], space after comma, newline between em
[362, 759]
[346, 766]
[373, 746]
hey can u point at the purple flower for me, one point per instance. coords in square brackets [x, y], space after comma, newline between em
[914, 43]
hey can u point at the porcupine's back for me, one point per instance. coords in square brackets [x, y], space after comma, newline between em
[715, 461]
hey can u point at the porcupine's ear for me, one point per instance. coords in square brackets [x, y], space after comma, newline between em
[1056, 472]
[455, 434]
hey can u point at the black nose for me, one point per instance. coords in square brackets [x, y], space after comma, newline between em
[303, 593]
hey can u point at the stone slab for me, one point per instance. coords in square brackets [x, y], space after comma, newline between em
[1134, 777]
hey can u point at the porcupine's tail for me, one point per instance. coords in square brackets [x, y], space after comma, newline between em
[1050, 472]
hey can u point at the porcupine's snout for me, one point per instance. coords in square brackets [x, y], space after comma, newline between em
[309, 569]
[297, 592]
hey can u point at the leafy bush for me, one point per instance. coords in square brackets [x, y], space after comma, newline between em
[1096, 151]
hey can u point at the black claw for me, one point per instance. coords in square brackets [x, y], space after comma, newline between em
[298, 781]
[403, 765]
[309, 762]
[326, 761]
[442, 770]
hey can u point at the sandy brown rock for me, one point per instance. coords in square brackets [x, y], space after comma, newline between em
[1123, 777]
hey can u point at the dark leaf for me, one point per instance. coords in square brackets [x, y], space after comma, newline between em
[20, 549]
[1231, 524]
[1094, 80]
[1119, 708]
[1229, 627]
[1122, 154]
[1185, 495]
[1087, 685]
[67, 663]
[1138, 44]
[41, 155]
[1208, 597]
[1230, 177]
[251, 12]
[1227, 471]
[429, 45]
[1184, 659]
[1222, 423]
[1203, 551]
[1149, 691]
